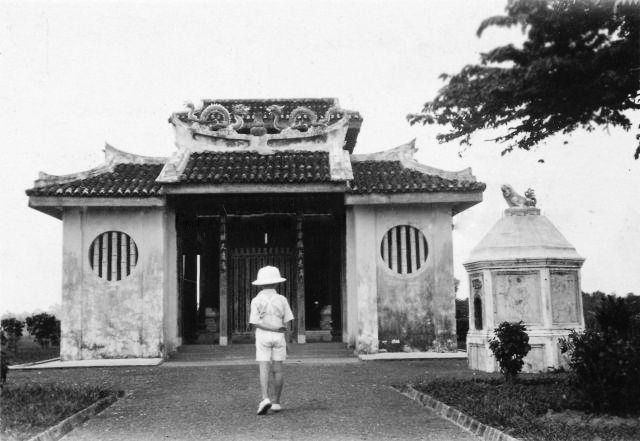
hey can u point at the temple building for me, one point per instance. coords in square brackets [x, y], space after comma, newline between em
[160, 252]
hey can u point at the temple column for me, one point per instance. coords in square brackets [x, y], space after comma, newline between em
[301, 330]
[224, 332]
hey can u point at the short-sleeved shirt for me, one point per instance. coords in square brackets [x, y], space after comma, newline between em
[270, 309]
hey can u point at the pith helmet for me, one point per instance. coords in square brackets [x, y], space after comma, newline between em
[268, 275]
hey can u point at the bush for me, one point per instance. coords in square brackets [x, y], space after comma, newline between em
[510, 345]
[45, 328]
[605, 359]
[606, 370]
[10, 332]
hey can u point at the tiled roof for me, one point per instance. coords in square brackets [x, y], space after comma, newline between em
[252, 167]
[287, 167]
[126, 180]
[393, 177]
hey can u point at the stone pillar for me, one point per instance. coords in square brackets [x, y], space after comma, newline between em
[224, 331]
[366, 249]
[302, 338]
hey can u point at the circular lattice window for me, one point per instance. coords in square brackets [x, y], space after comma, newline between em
[404, 249]
[113, 255]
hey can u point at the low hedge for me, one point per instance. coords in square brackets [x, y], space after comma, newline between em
[520, 408]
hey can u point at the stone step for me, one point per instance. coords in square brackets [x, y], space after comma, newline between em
[247, 351]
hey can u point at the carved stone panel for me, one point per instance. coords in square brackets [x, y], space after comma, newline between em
[476, 355]
[517, 296]
[564, 297]
[535, 361]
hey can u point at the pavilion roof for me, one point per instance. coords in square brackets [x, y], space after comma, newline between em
[124, 180]
[391, 176]
[125, 175]
[252, 167]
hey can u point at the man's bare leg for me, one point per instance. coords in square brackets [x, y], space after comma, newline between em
[265, 368]
[278, 380]
[272, 382]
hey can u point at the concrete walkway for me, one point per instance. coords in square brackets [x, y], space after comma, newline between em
[351, 401]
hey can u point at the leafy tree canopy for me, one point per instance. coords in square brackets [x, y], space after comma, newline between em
[579, 67]
[45, 328]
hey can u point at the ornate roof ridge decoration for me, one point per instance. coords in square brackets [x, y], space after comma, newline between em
[405, 155]
[243, 119]
[263, 136]
[112, 157]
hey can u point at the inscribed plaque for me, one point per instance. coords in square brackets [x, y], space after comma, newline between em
[517, 296]
[564, 292]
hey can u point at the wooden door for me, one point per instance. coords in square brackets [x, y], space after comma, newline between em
[244, 264]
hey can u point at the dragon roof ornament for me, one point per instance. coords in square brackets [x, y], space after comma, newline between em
[290, 118]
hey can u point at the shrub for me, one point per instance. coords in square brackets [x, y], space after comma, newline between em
[606, 370]
[510, 345]
[605, 359]
[613, 316]
[45, 328]
[10, 331]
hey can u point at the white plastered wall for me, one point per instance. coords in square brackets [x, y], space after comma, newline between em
[132, 317]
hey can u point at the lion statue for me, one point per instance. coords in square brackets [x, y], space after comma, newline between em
[515, 200]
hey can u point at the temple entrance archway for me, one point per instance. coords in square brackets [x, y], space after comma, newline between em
[222, 242]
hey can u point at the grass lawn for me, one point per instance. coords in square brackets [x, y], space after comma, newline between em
[27, 351]
[31, 407]
[536, 407]
[28, 409]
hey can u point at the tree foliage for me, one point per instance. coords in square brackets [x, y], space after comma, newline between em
[45, 328]
[10, 327]
[579, 67]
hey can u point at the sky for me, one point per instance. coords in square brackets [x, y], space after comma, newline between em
[74, 75]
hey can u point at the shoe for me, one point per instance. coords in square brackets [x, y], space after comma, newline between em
[264, 406]
[276, 407]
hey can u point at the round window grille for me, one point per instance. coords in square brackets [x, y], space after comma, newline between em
[404, 249]
[113, 255]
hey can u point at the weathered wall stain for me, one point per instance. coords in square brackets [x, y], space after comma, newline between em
[113, 319]
[418, 308]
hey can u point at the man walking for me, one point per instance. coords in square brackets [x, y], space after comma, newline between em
[270, 314]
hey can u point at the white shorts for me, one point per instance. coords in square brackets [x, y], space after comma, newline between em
[270, 346]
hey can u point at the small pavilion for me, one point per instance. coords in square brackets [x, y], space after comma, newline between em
[525, 270]
[160, 252]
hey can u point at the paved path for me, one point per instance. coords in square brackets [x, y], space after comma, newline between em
[322, 402]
